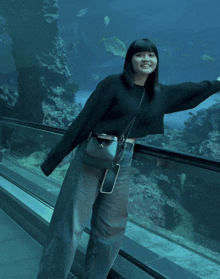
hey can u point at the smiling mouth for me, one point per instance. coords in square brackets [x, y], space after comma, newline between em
[145, 66]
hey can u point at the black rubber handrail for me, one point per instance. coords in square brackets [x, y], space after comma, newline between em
[179, 157]
[41, 127]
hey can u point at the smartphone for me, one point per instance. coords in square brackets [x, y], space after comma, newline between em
[109, 180]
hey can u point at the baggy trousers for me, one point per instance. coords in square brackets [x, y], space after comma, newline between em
[79, 200]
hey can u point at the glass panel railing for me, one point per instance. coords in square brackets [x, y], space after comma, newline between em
[176, 201]
[26, 148]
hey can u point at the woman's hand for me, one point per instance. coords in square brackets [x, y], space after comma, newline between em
[218, 78]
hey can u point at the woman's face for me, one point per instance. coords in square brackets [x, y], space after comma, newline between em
[144, 63]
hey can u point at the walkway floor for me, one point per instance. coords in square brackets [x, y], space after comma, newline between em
[19, 252]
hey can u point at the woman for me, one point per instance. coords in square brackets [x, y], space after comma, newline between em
[109, 110]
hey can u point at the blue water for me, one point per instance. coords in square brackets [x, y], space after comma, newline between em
[183, 31]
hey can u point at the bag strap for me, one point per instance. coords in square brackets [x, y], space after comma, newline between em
[130, 125]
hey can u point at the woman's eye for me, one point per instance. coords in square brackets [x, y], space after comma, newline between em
[150, 54]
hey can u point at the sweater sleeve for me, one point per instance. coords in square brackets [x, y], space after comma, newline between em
[95, 107]
[187, 95]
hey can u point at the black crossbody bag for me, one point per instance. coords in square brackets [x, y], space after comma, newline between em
[104, 151]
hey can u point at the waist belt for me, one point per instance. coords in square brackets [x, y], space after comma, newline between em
[109, 137]
[130, 140]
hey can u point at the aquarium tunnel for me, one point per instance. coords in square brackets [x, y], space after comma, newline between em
[53, 54]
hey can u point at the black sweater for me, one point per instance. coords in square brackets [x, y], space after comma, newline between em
[113, 105]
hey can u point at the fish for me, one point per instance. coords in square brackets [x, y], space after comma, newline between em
[106, 21]
[115, 46]
[82, 12]
[182, 179]
[207, 57]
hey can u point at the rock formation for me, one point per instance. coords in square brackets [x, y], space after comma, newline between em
[39, 57]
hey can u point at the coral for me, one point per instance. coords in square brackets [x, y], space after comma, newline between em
[148, 202]
[39, 56]
[8, 95]
[33, 160]
[58, 112]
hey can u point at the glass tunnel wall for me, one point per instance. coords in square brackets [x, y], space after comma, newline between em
[53, 55]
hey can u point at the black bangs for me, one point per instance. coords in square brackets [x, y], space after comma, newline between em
[143, 45]
[139, 46]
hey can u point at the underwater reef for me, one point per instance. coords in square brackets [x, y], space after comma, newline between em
[40, 60]
[200, 136]
[187, 205]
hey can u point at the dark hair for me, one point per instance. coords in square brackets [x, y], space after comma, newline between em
[128, 72]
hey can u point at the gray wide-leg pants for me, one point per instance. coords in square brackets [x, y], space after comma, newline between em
[78, 200]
